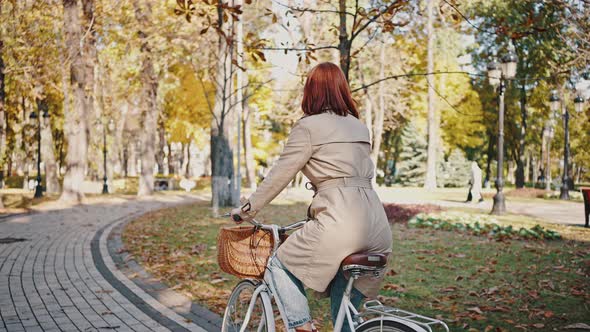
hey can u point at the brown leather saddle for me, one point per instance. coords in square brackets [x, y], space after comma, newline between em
[364, 263]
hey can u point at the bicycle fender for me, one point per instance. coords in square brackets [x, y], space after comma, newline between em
[412, 325]
[267, 303]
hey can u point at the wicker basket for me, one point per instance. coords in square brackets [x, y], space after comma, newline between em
[243, 251]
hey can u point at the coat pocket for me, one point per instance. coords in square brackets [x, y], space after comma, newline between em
[318, 205]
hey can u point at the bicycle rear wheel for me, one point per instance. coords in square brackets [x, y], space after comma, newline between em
[237, 309]
[378, 325]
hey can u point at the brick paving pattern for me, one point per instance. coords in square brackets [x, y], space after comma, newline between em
[50, 281]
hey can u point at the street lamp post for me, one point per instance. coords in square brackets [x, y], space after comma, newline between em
[549, 133]
[555, 102]
[498, 74]
[110, 127]
[42, 108]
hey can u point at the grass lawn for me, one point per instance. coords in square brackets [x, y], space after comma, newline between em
[19, 200]
[473, 283]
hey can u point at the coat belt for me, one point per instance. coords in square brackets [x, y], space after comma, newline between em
[355, 181]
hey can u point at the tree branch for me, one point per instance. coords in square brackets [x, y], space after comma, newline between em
[303, 49]
[395, 3]
[304, 10]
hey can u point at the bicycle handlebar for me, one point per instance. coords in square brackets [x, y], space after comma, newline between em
[254, 222]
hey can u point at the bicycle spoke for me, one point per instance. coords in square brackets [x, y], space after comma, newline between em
[238, 307]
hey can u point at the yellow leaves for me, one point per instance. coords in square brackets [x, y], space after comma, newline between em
[187, 105]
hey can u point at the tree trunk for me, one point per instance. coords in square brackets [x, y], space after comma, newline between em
[221, 153]
[527, 168]
[533, 170]
[93, 132]
[170, 159]
[187, 170]
[380, 114]
[132, 158]
[75, 123]
[490, 154]
[23, 163]
[222, 171]
[125, 157]
[48, 152]
[520, 163]
[239, 100]
[2, 114]
[65, 87]
[160, 154]
[149, 94]
[344, 43]
[430, 180]
[369, 114]
[248, 155]
[511, 171]
[119, 150]
[182, 158]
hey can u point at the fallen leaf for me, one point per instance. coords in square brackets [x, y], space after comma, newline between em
[217, 281]
[577, 326]
[492, 290]
[458, 255]
[449, 289]
[391, 273]
[198, 249]
[476, 310]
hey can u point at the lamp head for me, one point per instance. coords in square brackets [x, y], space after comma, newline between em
[43, 107]
[578, 103]
[494, 73]
[509, 62]
[554, 101]
[111, 125]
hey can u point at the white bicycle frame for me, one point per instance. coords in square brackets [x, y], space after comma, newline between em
[266, 290]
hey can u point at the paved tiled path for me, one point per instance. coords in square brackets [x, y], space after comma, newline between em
[51, 281]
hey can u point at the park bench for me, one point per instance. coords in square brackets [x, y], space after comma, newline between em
[162, 183]
[586, 195]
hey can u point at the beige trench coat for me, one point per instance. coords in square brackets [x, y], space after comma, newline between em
[347, 218]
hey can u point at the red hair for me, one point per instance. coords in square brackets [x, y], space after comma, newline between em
[326, 89]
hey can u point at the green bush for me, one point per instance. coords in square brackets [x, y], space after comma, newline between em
[204, 182]
[411, 168]
[16, 181]
[480, 225]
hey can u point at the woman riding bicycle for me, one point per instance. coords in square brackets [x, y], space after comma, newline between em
[332, 148]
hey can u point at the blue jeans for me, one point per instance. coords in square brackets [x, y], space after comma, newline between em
[291, 294]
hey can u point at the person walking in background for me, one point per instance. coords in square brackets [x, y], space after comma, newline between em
[475, 184]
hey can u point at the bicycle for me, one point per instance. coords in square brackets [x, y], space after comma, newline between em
[250, 308]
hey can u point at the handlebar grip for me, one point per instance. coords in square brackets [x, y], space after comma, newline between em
[236, 218]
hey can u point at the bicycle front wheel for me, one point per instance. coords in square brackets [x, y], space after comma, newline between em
[237, 311]
[378, 325]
